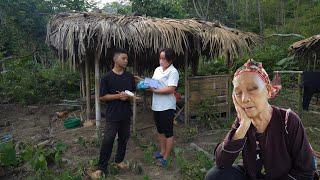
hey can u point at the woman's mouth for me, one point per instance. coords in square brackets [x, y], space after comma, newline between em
[249, 108]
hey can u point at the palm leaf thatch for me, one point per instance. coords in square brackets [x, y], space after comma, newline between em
[77, 36]
[306, 47]
[307, 50]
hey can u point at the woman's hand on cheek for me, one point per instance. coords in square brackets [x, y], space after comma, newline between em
[241, 114]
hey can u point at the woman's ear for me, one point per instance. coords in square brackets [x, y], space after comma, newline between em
[269, 89]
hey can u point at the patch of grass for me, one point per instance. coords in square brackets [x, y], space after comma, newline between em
[187, 133]
[195, 170]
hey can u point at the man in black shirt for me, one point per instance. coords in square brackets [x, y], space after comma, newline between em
[118, 113]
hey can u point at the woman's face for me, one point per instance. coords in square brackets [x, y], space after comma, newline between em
[251, 93]
[163, 61]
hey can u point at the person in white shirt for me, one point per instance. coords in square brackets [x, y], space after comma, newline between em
[164, 103]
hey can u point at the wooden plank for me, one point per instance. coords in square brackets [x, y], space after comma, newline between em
[197, 148]
[314, 112]
[208, 77]
[289, 72]
[146, 127]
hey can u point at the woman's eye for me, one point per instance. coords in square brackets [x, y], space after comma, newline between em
[238, 93]
[252, 89]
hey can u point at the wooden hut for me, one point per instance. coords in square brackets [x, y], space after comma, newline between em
[86, 41]
[307, 52]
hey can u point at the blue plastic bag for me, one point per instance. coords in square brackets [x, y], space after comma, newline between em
[142, 85]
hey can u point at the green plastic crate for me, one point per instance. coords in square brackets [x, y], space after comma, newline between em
[72, 122]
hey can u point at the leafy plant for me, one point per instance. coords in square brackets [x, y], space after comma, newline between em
[148, 153]
[195, 169]
[8, 154]
[81, 141]
[188, 133]
[205, 113]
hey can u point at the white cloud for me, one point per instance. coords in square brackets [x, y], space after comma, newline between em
[101, 3]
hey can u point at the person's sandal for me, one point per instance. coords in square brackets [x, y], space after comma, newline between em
[162, 162]
[122, 165]
[96, 174]
[157, 155]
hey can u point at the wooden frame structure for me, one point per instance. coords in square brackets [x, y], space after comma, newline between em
[87, 41]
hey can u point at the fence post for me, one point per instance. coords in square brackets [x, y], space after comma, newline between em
[229, 96]
[299, 95]
[186, 89]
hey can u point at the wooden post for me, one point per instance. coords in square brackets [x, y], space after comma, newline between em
[97, 87]
[299, 95]
[186, 89]
[229, 93]
[87, 89]
[229, 96]
[82, 83]
[134, 110]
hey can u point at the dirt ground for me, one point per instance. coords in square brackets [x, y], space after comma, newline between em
[32, 125]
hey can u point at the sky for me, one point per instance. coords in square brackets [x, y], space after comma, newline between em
[102, 2]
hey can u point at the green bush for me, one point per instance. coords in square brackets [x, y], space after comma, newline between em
[8, 154]
[28, 82]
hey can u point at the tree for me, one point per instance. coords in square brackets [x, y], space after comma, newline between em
[160, 8]
[24, 22]
[118, 8]
[260, 17]
[208, 9]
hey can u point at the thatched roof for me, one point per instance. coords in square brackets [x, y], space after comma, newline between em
[76, 36]
[307, 47]
[307, 52]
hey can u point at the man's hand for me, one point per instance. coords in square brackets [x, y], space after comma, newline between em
[123, 96]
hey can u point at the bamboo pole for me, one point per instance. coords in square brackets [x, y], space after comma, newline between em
[134, 110]
[97, 88]
[186, 89]
[87, 89]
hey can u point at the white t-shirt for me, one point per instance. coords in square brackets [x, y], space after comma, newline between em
[169, 77]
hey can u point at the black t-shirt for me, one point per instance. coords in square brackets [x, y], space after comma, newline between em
[261, 172]
[117, 110]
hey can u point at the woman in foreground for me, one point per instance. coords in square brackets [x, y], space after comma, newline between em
[272, 140]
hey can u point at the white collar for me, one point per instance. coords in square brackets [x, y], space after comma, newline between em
[164, 71]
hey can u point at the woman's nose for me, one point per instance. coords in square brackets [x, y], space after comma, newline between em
[245, 97]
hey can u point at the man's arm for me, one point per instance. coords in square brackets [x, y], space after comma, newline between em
[110, 97]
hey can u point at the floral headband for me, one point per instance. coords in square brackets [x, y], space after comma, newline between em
[256, 67]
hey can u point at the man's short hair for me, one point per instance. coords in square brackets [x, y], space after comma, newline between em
[119, 51]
